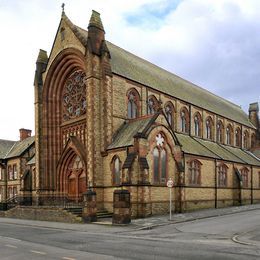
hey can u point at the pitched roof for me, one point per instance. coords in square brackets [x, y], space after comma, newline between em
[20, 147]
[197, 146]
[137, 69]
[5, 147]
[125, 134]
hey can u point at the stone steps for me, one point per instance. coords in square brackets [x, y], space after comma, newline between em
[100, 213]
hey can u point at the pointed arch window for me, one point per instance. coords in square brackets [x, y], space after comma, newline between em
[244, 175]
[159, 160]
[152, 105]
[133, 101]
[169, 112]
[209, 128]
[116, 171]
[222, 175]
[220, 129]
[229, 135]
[238, 137]
[194, 172]
[184, 120]
[246, 140]
[197, 125]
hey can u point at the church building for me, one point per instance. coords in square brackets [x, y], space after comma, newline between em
[106, 120]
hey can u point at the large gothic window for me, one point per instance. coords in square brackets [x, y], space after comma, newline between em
[74, 96]
[159, 160]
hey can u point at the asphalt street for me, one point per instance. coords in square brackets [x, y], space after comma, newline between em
[207, 238]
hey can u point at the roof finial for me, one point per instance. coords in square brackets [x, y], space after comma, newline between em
[62, 6]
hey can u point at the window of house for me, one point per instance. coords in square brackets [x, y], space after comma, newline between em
[209, 128]
[246, 139]
[222, 175]
[116, 171]
[159, 160]
[14, 171]
[10, 172]
[184, 120]
[169, 112]
[152, 105]
[1, 174]
[229, 135]
[132, 104]
[238, 137]
[244, 175]
[194, 172]
[220, 128]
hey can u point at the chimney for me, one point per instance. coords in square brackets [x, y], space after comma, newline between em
[253, 114]
[24, 133]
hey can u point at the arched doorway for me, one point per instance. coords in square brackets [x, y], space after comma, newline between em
[76, 179]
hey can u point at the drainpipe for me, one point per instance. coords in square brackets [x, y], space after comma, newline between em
[252, 193]
[216, 187]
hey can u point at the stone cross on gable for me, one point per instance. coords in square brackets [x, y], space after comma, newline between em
[159, 140]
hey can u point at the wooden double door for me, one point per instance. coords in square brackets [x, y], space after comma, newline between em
[76, 180]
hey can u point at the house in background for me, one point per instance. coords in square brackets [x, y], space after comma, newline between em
[16, 165]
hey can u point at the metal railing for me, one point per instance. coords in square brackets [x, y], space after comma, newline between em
[53, 200]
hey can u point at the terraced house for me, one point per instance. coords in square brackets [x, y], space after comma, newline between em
[16, 166]
[107, 119]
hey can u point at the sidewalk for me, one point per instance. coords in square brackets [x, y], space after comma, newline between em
[151, 222]
[105, 225]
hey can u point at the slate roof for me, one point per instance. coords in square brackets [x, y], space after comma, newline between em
[125, 134]
[197, 146]
[32, 161]
[257, 153]
[5, 147]
[10, 149]
[137, 69]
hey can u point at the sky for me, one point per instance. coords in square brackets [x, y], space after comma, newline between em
[212, 43]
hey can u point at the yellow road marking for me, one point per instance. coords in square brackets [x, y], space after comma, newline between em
[38, 252]
[11, 246]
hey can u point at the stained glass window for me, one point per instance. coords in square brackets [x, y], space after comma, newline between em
[74, 96]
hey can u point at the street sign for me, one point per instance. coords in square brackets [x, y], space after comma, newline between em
[170, 183]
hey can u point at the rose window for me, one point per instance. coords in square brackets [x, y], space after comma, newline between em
[74, 96]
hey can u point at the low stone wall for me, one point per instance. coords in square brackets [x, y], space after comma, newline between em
[43, 214]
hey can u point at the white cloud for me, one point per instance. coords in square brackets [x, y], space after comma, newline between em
[213, 43]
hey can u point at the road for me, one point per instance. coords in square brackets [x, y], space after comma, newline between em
[209, 238]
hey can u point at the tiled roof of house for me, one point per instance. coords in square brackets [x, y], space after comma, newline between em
[5, 147]
[9, 149]
[137, 69]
